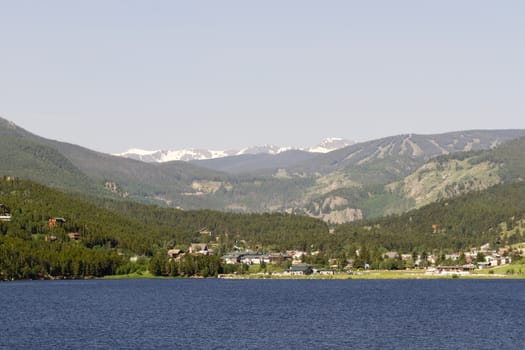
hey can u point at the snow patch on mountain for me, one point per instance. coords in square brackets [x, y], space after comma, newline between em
[330, 144]
[161, 156]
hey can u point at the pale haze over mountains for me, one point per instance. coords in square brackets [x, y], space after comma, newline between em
[161, 156]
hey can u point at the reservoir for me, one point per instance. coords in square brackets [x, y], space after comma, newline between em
[262, 314]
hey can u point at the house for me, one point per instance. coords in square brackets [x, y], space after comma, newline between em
[199, 248]
[447, 271]
[483, 265]
[299, 270]
[391, 255]
[468, 267]
[74, 235]
[251, 258]
[205, 231]
[275, 258]
[53, 222]
[231, 259]
[326, 272]
[453, 256]
[254, 259]
[295, 254]
[5, 214]
[485, 248]
[175, 253]
[497, 260]
[406, 257]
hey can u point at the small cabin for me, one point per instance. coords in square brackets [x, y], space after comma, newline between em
[175, 253]
[53, 222]
[199, 248]
[232, 258]
[74, 235]
[391, 255]
[300, 270]
[5, 213]
[205, 231]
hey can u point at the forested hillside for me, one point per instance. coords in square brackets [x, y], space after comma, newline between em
[23, 157]
[492, 216]
[111, 231]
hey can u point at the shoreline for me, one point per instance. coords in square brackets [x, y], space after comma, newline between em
[380, 275]
[365, 275]
[360, 275]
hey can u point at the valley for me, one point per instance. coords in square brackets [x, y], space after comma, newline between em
[424, 198]
[359, 181]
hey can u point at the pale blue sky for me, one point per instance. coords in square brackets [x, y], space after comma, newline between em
[110, 75]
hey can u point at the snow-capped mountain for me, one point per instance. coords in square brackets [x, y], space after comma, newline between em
[160, 156]
[330, 144]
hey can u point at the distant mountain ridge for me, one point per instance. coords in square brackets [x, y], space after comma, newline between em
[191, 154]
[364, 180]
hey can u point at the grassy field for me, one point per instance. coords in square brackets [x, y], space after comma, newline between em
[515, 270]
[511, 271]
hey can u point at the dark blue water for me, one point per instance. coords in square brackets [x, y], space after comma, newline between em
[263, 314]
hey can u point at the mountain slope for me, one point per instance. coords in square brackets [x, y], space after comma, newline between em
[364, 180]
[360, 181]
[256, 163]
[418, 148]
[459, 173]
[135, 177]
[495, 216]
[72, 167]
[24, 155]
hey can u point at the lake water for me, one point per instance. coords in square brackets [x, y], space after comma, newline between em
[263, 314]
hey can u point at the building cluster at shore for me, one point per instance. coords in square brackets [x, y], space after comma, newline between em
[293, 262]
